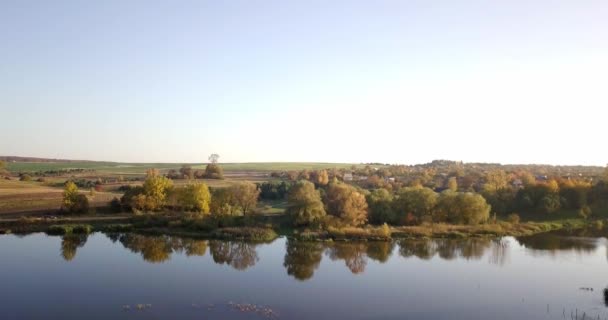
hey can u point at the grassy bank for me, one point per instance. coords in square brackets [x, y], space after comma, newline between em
[267, 228]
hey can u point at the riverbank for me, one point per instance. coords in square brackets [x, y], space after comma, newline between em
[267, 228]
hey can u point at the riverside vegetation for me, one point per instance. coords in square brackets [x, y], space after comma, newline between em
[443, 199]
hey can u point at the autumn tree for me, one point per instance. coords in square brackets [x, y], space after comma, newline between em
[245, 195]
[452, 184]
[195, 197]
[346, 203]
[74, 202]
[322, 178]
[70, 192]
[304, 204]
[495, 181]
[155, 189]
[527, 179]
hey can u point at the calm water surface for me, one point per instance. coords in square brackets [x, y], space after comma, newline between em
[106, 276]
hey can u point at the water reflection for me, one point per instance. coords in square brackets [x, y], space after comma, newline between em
[239, 255]
[450, 249]
[353, 254]
[302, 258]
[157, 249]
[552, 243]
[70, 244]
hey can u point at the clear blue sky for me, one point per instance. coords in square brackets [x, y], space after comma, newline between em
[335, 81]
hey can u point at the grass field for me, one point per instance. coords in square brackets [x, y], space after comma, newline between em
[140, 168]
[19, 196]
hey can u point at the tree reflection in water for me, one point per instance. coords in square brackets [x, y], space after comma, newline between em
[302, 258]
[450, 249]
[353, 254]
[70, 244]
[157, 249]
[239, 255]
[551, 243]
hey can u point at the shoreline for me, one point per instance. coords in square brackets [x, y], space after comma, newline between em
[265, 228]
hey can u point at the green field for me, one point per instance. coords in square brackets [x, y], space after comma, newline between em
[140, 168]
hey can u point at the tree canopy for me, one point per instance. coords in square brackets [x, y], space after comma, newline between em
[304, 204]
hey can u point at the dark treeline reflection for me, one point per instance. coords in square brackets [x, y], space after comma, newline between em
[552, 243]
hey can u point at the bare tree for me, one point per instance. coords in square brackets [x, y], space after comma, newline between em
[214, 158]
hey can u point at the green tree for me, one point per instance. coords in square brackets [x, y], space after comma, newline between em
[550, 203]
[304, 204]
[462, 208]
[380, 207]
[345, 202]
[223, 202]
[418, 202]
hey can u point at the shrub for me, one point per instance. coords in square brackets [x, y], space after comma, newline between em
[118, 228]
[585, 212]
[513, 218]
[384, 231]
[25, 177]
[598, 224]
[82, 228]
[246, 233]
[81, 205]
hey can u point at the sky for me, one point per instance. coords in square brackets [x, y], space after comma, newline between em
[324, 81]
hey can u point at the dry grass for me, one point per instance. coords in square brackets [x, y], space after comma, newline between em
[501, 228]
[19, 196]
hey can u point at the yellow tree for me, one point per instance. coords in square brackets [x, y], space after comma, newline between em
[345, 202]
[322, 177]
[495, 181]
[156, 189]
[452, 184]
[70, 193]
[195, 196]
